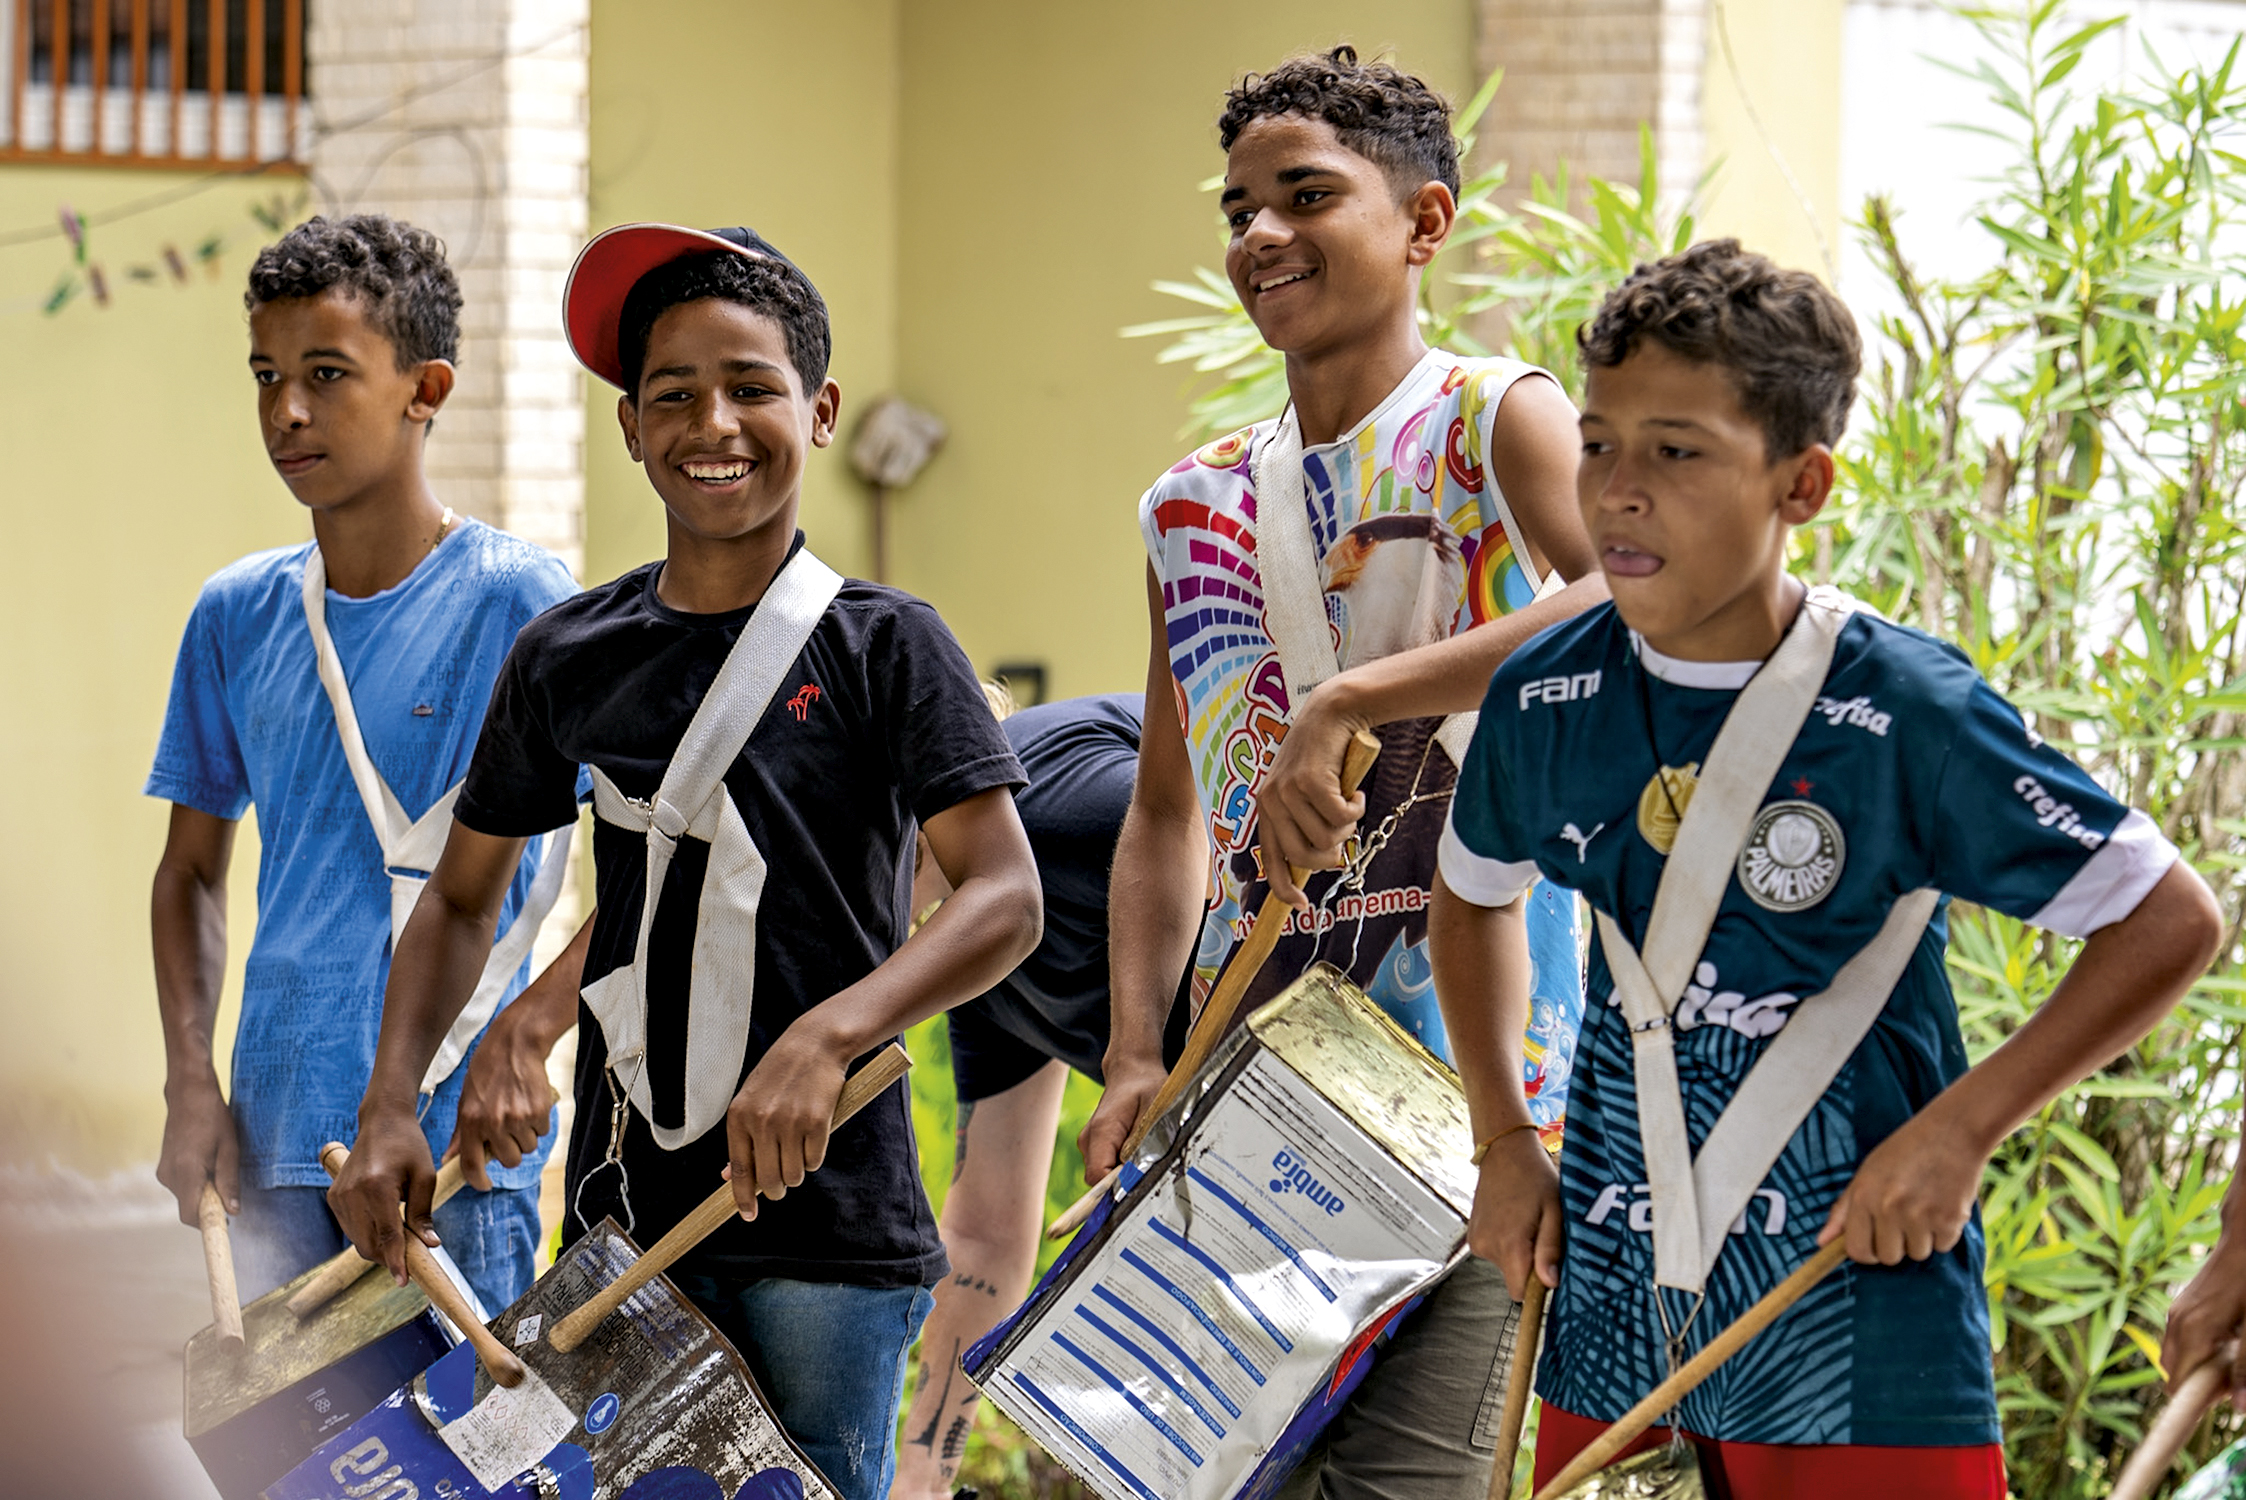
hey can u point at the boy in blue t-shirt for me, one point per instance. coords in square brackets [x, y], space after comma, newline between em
[354, 328]
[1765, 795]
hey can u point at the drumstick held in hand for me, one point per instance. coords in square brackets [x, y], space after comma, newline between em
[1527, 1334]
[888, 1065]
[2173, 1427]
[218, 1267]
[505, 1367]
[1215, 1020]
[1666, 1395]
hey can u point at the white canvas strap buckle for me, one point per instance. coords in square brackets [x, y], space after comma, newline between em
[411, 846]
[693, 801]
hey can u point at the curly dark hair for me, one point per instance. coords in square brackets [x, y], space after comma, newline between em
[1789, 345]
[398, 271]
[761, 283]
[1381, 113]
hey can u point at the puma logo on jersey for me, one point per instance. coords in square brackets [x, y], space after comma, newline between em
[1581, 840]
[1637, 1199]
[2050, 812]
[1560, 689]
[800, 704]
[1856, 711]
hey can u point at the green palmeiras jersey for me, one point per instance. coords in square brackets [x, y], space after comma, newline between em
[1910, 772]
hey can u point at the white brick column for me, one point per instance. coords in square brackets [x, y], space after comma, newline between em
[468, 118]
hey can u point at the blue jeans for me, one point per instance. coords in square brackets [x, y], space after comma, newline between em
[493, 1238]
[830, 1359]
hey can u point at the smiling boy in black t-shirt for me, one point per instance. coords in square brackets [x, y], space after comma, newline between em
[763, 738]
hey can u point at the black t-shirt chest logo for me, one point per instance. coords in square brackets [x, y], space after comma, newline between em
[805, 697]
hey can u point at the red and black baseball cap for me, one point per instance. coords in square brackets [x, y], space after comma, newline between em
[612, 264]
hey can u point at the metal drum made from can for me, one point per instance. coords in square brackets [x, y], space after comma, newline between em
[1196, 1335]
[654, 1405]
[256, 1410]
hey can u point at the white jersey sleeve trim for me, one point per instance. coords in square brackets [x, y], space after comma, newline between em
[2115, 879]
[1476, 878]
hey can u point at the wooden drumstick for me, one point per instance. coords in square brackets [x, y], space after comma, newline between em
[218, 1267]
[1215, 1020]
[343, 1270]
[1666, 1395]
[1527, 1334]
[2174, 1427]
[442, 1293]
[571, 1329]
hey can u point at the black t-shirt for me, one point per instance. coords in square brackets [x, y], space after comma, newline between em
[1082, 757]
[879, 723]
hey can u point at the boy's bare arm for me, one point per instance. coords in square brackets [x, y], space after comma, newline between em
[187, 926]
[1156, 893]
[1482, 974]
[506, 1100]
[777, 1124]
[439, 958]
[2211, 1311]
[1301, 813]
[1913, 1194]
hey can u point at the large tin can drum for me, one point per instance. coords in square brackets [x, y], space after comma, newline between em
[653, 1405]
[256, 1409]
[1197, 1334]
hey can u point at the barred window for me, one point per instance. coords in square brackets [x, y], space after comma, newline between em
[153, 82]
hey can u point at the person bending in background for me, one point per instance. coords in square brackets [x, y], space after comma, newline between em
[1011, 1052]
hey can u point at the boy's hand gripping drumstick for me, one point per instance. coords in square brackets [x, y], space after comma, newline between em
[1666, 1395]
[1215, 1019]
[218, 1266]
[506, 1369]
[2149, 1464]
[863, 1086]
[342, 1271]
[1527, 1334]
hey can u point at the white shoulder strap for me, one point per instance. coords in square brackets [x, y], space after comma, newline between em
[411, 846]
[1696, 1199]
[692, 800]
[1294, 601]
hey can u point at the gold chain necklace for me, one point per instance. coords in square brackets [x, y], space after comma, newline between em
[444, 529]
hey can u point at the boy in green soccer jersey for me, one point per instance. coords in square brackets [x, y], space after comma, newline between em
[1767, 794]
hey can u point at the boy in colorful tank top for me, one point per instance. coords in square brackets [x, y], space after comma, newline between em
[1363, 561]
[1767, 794]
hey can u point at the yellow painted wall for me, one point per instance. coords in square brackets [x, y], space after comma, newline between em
[780, 116]
[1775, 98]
[132, 471]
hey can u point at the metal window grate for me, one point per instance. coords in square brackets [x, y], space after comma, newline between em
[153, 83]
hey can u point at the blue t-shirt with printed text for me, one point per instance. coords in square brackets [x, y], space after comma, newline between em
[248, 724]
[1910, 772]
